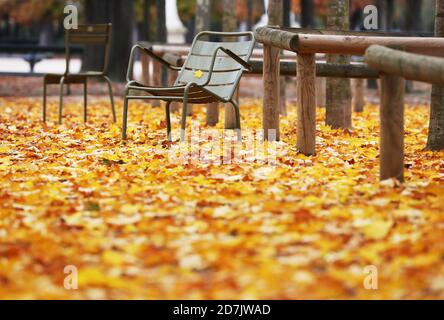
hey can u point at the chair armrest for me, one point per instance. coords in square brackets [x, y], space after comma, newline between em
[150, 53]
[232, 55]
[235, 57]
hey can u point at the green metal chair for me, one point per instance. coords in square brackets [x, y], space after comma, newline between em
[89, 34]
[210, 73]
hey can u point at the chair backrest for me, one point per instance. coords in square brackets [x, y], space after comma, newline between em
[226, 71]
[90, 34]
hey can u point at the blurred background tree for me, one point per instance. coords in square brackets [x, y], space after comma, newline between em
[40, 21]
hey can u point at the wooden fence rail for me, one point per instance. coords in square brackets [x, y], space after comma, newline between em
[396, 66]
[306, 45]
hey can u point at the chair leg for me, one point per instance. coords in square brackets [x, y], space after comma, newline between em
[168, 121]
[85, 100]
[238, 124]
[111, 97]
[61, 99]
[44, 99]
[184, 117]
[125, 115]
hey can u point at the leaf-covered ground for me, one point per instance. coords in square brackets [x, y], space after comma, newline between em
[138, 224]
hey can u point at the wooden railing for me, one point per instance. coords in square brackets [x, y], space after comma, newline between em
[306, 45]
[395, 66]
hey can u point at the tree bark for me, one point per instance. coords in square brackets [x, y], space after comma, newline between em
[320, 91]
[229, 24]
[338, 96]
[287, 11]
[435, 139]
[122, 18]
[250, 22]
[358, 95]
[202, 23]
[413, 21]
[307, 13]
[385, 17]
[161, 28]
[146, 32]
[275, 17]
[161, 37]
[96, 11]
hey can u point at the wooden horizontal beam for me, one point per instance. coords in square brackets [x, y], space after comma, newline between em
[276, 38]
[353, 33]
[341, 42]
[288, 68]
[407, 65]
[354, 70]
[357, 45]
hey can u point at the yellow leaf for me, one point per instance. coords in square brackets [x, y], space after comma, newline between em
[198, 74]
[377, 230]
[113, 258]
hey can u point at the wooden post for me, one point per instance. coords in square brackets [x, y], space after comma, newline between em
[276, 17]
[172, 76]
[230, 115]
[145, 69]
[212, 117]
[392, 127]
[320, 91]
[156, 79]
[358, 95]
[229, 24]
[271, 102]
[212, 114]
[157, 73]
[306, 90]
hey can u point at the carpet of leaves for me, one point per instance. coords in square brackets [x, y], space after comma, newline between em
[137, 225]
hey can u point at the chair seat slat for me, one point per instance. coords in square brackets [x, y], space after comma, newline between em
[207, 48]
[91, 28]
[222, 63]
[88, 39]
[217, 78]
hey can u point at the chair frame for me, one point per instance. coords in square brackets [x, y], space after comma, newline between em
[134, 85]
[79, 78]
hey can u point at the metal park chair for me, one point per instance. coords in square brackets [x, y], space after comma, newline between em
[90, 34]
[210, 73]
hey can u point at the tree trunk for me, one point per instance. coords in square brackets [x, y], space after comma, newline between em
[275, 17]
[413, 21]
[229, 24]
[161, 36]
[146, 32]
[287, 10]
[96, 11]
[307, 13]
[385, 17]
[320, 91]
[250, 22]
[358, 95]
[161, 21]
[435, 139]
[46, 36]
[202, 23]
[338, 104]
[122, 18]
